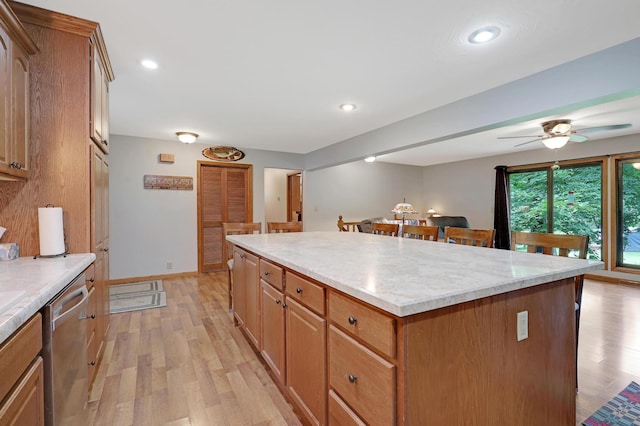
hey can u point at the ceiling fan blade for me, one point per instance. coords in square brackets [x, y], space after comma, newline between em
[578, 138]
[516, 137]
[524, 143]
[601, 128]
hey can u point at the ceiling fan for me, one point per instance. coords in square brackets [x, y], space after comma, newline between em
[558, 132]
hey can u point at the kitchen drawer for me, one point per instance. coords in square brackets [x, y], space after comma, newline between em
[373, 327]
[364, 380]
[271, 274]
[304, 291]
[17, 353]
[25, 404]
[340, 414]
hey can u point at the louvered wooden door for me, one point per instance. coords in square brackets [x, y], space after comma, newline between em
[224, 195]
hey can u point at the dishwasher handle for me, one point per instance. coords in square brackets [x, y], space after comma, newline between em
[60, 318]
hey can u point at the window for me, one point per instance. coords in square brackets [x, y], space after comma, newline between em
[564, 198]
[627, 234]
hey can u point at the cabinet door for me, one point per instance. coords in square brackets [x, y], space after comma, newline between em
[97, 103]
[100, 239]
[5, 96]
[307, 360]
[20, 109]
[252, 299]
[238, 286]
[273, 317]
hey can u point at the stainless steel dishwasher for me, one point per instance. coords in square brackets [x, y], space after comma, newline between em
[65, 356]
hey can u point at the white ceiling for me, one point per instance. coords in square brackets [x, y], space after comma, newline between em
[271, 74]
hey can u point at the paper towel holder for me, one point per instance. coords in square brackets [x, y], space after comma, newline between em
[65, 246]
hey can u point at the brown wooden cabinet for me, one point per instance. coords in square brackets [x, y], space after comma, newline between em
[239, 286]
[273, 337]
[100, 241]
[306, 360]
[21, 387]
[99, 105]
[246, 293]
[71, 170]
[15, 48]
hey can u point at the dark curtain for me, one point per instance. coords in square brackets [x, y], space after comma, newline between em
[501, 209]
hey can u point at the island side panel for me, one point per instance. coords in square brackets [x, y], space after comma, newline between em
[537, 376]
[464, 365]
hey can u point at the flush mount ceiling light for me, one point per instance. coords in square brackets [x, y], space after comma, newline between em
[187, 137]
[555, 142]
[147, 63]
[370, 159]
[347, 107]
[484, 35]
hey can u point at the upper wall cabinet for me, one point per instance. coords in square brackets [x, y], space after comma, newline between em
[15, 48]
[101, 75]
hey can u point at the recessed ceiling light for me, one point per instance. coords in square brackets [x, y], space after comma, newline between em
[484, 35]
[347, 107]
[147, 63]
[370, 159]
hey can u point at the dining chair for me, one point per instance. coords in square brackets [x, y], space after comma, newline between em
[227, 247]
[469, 236]
[281, 227]
[390, 229]
[347, 226]
[420, 232]
[558, 245]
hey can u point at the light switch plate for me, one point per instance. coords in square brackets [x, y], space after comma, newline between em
[523, 325]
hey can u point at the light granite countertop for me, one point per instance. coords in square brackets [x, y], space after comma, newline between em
[27, 284]
[405, 277]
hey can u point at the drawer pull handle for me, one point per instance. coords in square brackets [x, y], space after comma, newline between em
[92, 363]
[352, 378]
[352, 320]
[92, 279]
[92, 316]
[267, 273]
[284, 306]
[242, 256]
[298, 290]
[277, 301]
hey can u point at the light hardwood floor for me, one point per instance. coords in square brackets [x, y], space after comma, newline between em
[186, 364]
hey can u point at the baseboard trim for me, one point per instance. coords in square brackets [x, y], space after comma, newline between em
[153, 277]
[612, 280]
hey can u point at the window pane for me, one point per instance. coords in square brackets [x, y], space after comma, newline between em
[528, 201]
[629, 215]
[577, 204]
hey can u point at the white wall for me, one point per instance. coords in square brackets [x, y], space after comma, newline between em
[358, 191]
[149, 228]
[152, 227]
[275, 194]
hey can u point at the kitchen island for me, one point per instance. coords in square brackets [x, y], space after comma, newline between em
[407, 332]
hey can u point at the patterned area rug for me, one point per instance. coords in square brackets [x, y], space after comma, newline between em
[136, 296]
[622, 410]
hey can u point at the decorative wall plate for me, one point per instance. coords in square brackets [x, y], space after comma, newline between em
[223, 153]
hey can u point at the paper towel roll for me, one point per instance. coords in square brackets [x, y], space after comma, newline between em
[51, 232]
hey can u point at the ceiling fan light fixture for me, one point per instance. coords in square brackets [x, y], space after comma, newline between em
[187, 137]
[562, 127]
[555, 142]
